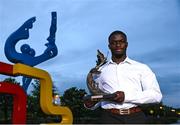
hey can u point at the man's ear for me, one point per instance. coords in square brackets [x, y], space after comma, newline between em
[126, 44]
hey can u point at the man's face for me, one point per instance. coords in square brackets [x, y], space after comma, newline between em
[118, 45]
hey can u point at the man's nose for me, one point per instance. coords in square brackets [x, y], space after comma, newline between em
[118, 44]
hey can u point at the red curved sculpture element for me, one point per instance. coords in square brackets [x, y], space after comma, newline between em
[19, 100]
[6, 69]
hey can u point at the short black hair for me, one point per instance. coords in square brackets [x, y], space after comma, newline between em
[117, 32]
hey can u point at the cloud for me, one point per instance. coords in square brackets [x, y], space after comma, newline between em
[83, 27]
[172, 99]
[163, 55]
[165, 63]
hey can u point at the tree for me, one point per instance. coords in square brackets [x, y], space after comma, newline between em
[35, 113]
[11, 80]
[158, 113]
[73, 98]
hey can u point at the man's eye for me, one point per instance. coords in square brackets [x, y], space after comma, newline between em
[113, 43]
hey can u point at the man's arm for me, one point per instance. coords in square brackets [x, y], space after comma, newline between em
[150, 90]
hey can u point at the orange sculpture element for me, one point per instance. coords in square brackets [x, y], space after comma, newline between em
[19, 101]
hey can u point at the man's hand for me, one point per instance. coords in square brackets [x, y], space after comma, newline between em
[119, 96]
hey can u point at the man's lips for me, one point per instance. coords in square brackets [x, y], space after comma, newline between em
[118, 50]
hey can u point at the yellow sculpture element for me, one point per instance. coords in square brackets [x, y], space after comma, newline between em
[45, 91]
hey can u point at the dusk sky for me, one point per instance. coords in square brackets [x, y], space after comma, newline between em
[83, 26]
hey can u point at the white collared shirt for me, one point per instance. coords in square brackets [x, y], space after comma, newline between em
[135, 79]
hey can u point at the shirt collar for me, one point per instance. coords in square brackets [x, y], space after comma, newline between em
[127, 60]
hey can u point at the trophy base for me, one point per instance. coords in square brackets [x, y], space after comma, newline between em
[99, 97]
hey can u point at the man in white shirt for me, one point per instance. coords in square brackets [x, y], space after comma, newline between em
[133, 83]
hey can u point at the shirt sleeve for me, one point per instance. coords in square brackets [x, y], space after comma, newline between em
[150, 92]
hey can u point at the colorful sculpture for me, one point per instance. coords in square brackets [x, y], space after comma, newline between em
[24, 63]
[27, 55]
[45, 88]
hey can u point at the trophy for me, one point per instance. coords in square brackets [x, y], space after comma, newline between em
[96, 93]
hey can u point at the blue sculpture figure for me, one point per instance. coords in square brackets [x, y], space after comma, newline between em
[27, 55]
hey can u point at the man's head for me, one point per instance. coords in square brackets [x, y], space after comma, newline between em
[118, 43]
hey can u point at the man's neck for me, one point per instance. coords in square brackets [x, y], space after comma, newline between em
[118, 59]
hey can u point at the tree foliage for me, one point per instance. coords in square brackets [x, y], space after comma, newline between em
[11, 80]
[73, 98]
[35, 113]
